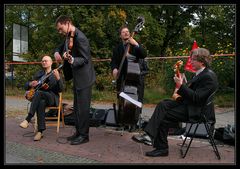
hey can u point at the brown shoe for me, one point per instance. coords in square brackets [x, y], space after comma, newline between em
[24, 124]
[38, 136]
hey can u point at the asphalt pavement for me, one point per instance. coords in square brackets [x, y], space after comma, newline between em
[107, 146]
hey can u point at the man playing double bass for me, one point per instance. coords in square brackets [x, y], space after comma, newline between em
[136, 50]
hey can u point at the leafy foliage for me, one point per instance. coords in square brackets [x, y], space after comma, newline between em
[169, 31]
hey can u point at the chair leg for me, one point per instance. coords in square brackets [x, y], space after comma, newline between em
[63, 122]
[183, 154]
[212, 142]
[58, 120]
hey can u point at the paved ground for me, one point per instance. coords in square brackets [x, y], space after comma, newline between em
[106, 146]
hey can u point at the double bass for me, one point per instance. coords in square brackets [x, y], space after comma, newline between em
[127, 112]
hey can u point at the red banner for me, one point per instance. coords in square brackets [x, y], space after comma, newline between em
[188, 65]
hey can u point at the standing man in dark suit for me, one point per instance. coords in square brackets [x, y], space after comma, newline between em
[50, 84]
[194, 94]
[82, 72]
[136, 50]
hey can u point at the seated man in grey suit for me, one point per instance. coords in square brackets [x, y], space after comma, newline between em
[194, 94]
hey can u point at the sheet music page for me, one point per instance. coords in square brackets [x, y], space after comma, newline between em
[127, 97]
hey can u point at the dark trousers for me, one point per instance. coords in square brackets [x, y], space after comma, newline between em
[141, 88]
[40, 100]
[81, 104]
[140, 92]
[165, 113]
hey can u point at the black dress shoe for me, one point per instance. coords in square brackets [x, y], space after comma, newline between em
[144, 138]
[157, 153]
[79, 140]
[70, 138]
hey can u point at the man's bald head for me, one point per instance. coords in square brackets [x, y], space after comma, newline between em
[47, 58]
[47, 62]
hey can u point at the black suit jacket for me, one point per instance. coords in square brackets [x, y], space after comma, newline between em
[118, 53]
[83, 72]
[55, 86]
[196, 92]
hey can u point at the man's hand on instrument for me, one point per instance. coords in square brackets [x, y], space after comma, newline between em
[115, 73]
[33, 83]
[56, 74]
[70, 59]
[65, 56]
[57, 57]
[178, 80]
[132, 41]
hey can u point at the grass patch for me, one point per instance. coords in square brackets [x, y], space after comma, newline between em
[151, 96]
[155, 95]
[225, 99]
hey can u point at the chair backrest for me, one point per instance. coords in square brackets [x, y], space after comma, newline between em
[210, 98]
[59, 106]
[208, 102]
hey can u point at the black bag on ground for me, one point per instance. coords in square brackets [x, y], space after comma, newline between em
[225, 134]
[96, 117]
[69, 119]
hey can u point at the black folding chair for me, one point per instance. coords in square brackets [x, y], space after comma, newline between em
[203, 120]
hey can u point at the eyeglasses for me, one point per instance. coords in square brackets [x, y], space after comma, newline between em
[44, 61]
[194, 58]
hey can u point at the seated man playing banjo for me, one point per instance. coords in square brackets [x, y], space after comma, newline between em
[42, 91]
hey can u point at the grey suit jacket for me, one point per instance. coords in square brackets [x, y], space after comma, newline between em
[82, 68]
[196, 92]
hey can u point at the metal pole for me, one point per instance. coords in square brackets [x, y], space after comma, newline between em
[12, 75]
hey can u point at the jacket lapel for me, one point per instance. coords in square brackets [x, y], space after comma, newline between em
[196, 78]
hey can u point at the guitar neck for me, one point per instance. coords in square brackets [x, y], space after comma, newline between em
[59, 67]
[178, 73]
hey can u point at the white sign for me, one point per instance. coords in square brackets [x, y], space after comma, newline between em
[20, 41]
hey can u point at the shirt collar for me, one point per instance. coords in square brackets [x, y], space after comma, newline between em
[199, 71]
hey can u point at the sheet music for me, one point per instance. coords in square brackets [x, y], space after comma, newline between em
[127, 97]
